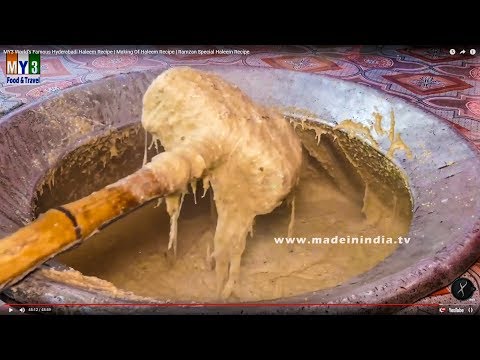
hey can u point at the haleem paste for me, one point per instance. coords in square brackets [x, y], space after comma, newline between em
[231, 143]
[253, 182]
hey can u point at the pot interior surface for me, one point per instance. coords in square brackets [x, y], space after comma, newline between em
[351, 205]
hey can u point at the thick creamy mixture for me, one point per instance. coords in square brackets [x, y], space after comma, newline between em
[329, 202]
[132, 252]
[230, 143]
[209, 247]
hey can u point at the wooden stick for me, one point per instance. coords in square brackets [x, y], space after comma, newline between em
[59, 229]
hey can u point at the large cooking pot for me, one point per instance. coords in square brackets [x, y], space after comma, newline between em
[81, 124]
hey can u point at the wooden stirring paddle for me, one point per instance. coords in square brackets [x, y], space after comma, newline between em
[209, 128]
[61, 228]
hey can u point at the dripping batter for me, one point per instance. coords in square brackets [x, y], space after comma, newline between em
[233, 143]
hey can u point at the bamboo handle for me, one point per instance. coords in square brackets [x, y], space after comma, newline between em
[59, 229]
